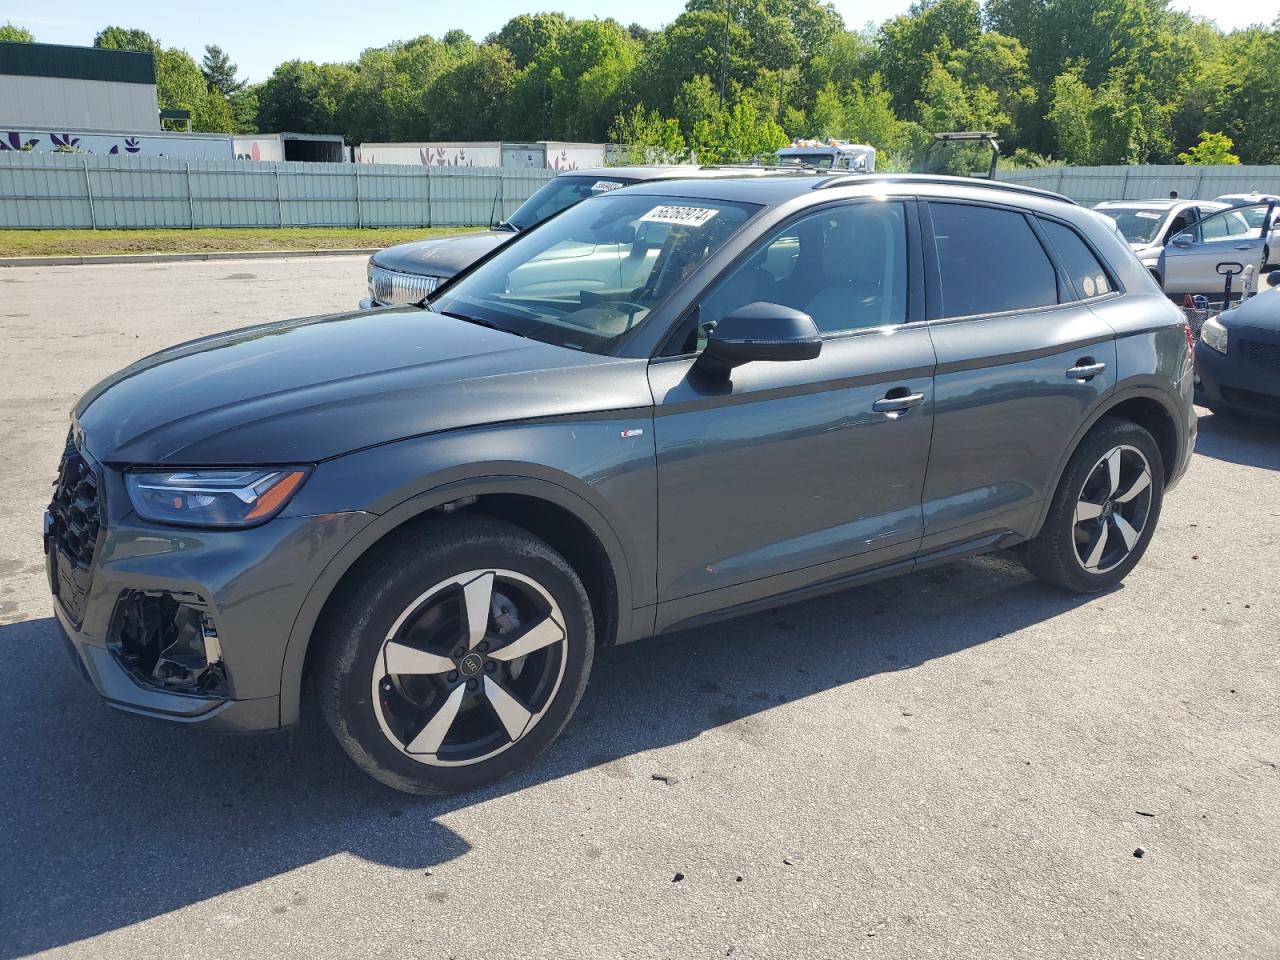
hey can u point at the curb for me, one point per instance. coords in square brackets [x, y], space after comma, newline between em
[178, 257]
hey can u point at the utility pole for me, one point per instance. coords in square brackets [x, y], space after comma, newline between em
[724, 54]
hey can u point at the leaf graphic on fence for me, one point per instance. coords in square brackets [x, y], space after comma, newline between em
[132, 145]
[13, 141]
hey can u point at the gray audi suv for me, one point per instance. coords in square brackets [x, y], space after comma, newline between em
[423, 522]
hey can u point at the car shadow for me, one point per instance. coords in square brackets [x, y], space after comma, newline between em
[1248, 441]
[110, 819]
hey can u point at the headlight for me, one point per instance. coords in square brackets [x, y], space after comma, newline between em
[1214, 335]
[394, 288]
[213, 498]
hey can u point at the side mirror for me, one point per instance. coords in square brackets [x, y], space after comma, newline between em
[1182, 240]
[760, 331]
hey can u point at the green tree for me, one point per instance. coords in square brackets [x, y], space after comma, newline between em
[471, 95]
[304, 97]
[736, 134]
[219, 72]
[9, 33]
[648, 137]
[906, 43]
[1214, 149]
[123, 38]
[528, 36]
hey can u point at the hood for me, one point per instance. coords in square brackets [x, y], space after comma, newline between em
[441, 256]
[306, 390]
[1260, 314]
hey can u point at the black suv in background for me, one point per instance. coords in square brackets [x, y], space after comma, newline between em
[407, 272]
[430, 518]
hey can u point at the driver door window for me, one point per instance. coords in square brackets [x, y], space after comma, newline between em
[845, 266]
[1227, 225]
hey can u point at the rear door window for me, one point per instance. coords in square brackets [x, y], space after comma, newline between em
[1083, 268]
[990, 261]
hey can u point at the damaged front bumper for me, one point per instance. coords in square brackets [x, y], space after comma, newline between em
[191, 625]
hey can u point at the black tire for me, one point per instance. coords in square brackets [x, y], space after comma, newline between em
[382, 589]
[1055, 555]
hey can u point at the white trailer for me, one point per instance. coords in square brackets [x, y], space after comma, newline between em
[524, 156]
[542, 155]
[447, 154]
[123, 143]
[573, 156]
[311, 147]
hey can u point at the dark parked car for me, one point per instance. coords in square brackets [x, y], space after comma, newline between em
[407, 272]
[1238, 358]
[429, 519]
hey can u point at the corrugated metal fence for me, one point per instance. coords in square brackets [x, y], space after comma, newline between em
[1089, 185]
[41, 191]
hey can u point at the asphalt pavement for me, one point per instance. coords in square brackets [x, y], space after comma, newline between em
[962, 763]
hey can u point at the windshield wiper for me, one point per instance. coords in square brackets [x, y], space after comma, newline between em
[478, 321]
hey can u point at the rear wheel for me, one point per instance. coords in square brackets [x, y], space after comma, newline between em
[455, 655]
[1104, 511]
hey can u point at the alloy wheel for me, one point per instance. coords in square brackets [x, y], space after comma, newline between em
[469, 667]
[1112, 509]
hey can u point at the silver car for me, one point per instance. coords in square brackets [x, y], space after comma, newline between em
[1149, 224]
[1198, 259]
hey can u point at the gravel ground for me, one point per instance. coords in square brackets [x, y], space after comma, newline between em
[961, 763]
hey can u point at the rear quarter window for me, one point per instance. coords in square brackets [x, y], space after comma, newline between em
[1083, 268]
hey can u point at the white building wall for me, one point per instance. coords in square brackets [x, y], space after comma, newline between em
[52, 102]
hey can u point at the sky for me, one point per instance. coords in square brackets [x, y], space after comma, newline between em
[261, 34]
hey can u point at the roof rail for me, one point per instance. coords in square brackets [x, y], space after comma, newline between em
[805, 167]
[850, 179]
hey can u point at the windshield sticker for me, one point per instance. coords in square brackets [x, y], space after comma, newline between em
[686, 216]
[1147, 215]
[604, 186]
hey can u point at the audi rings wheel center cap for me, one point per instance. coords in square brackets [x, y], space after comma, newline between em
[471, 664]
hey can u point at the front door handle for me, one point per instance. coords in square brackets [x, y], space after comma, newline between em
[1085, 369]
[895, 402]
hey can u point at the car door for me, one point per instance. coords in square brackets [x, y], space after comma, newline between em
[790, 474]
[1022, 359]
[1190, 261]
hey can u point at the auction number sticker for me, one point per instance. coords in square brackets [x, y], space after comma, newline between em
[604, 186]
[686, 216]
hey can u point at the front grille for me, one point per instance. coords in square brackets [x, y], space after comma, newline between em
[75, 522]
[1265, 354]
[390, 287]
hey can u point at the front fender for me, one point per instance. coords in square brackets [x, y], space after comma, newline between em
[590, 469]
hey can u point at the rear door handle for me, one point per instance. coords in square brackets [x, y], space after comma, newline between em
[897, 404]
[1085, 369]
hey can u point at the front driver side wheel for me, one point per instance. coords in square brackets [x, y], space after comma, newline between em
[455, 655]
[1104, 511]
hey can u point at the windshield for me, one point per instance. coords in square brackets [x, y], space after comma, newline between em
[558, 194]
[597, 271]
[1137, 226]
